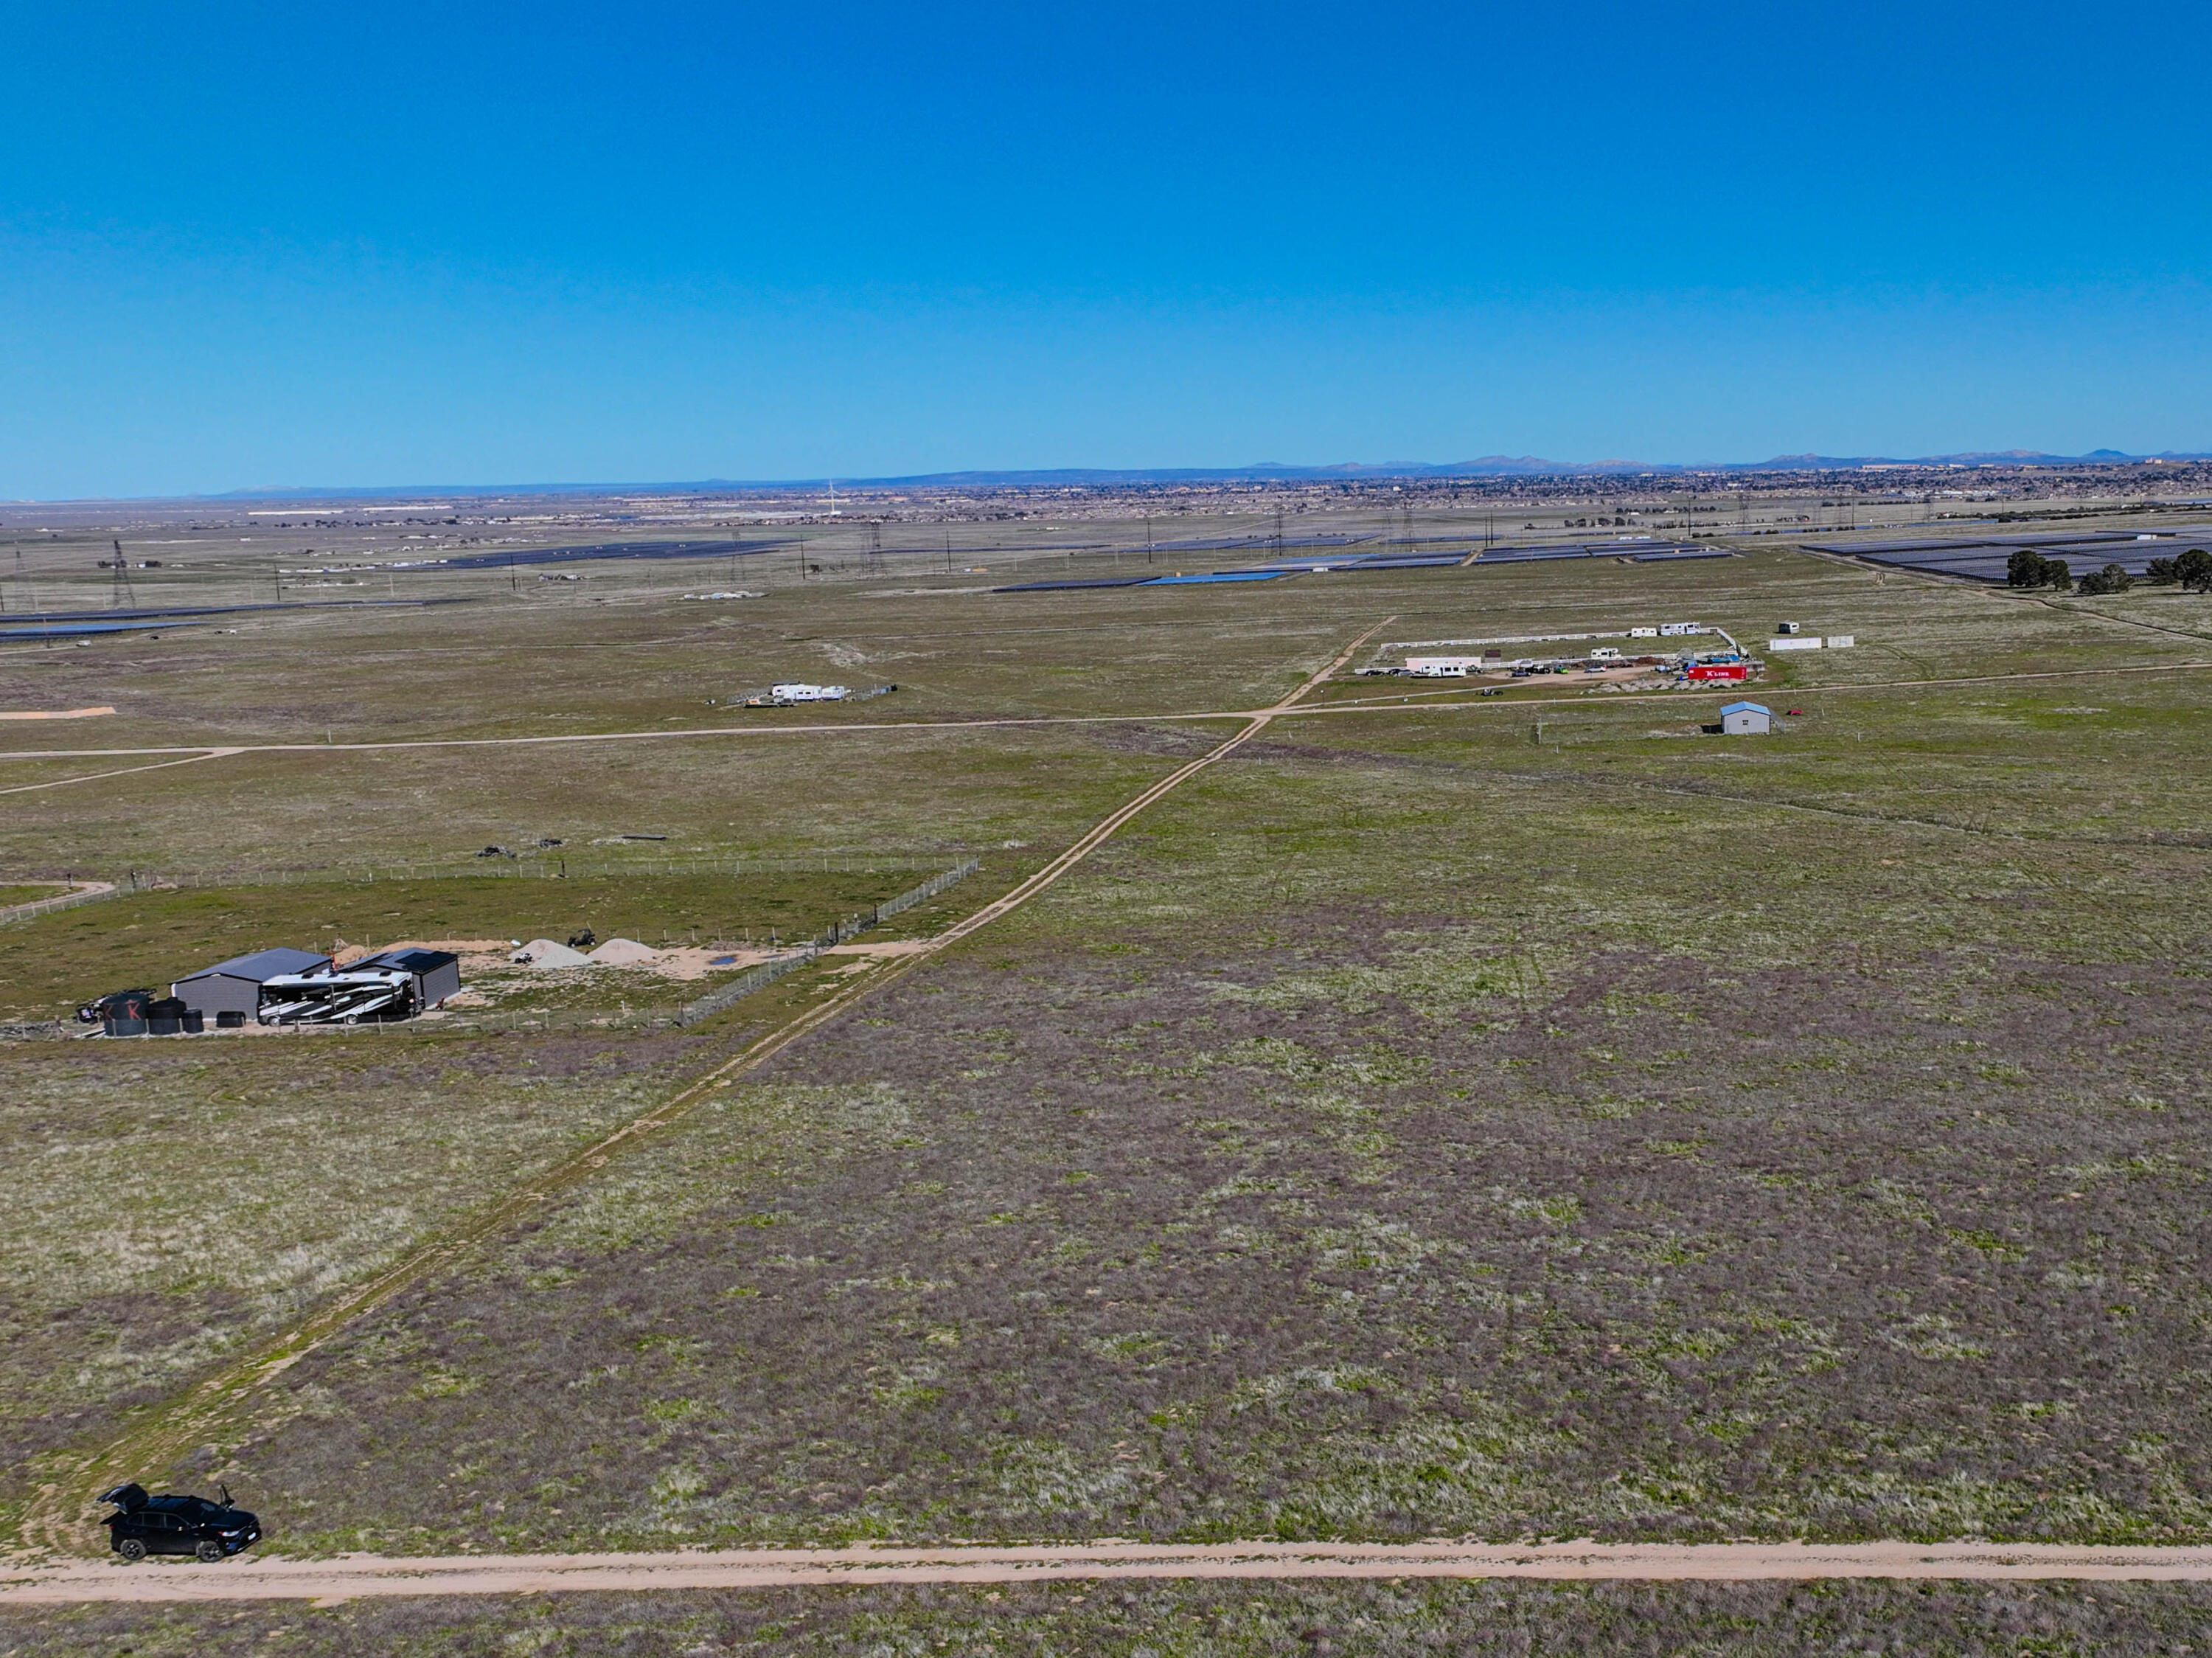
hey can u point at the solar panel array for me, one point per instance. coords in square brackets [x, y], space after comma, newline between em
[1987, 558]
[1643, 551]
[85, 630]
[1393, 556]
[605, 550]
[1256, 543]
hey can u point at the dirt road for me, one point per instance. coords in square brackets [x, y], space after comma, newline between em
[1419, 701]
[357, 1576]
[56, 1517]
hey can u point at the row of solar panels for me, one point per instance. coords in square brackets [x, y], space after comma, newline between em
[606, 549]
[1989, 560]
[85, 630]
[1230, 543]
[2037, 539]
[1147, 581]
[1641, 552]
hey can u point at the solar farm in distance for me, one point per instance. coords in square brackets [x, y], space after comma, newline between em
[1984, 558]
[1640, 550]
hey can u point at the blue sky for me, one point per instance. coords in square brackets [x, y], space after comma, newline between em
[410, 243]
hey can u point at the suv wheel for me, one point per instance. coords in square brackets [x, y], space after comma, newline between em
[131, 1548]
[209, 1550]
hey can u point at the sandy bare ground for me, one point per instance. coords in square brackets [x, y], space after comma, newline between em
[355, 1576]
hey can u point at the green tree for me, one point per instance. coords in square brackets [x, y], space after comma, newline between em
[2025, 568]
[2194, 568]
[2160, 572]
[2113, 578]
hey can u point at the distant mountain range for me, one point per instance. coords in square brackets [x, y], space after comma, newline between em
[1488, 466]
[1516, 465]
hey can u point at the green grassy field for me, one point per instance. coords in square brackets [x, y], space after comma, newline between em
[1527, 1116]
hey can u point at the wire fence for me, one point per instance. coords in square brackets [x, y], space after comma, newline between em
[767, 973]
[528, 866]
[46, 907]
[531, 866]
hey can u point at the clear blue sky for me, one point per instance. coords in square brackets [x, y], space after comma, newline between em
[406, 243]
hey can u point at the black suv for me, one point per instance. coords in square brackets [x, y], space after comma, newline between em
[168, 1523]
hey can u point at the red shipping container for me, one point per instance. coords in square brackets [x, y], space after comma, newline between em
[1721, 671]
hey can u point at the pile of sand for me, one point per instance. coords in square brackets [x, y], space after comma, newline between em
[474, 952]
[547, 954]
[625, 952]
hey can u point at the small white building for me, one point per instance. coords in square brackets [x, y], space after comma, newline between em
[1747, 720]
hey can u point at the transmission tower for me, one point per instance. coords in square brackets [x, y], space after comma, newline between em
[120, 593]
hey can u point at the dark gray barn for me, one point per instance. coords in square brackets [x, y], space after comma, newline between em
[437, 972]
[235, 986]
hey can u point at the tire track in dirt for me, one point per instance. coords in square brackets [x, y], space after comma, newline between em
[124, 771]
[361, 1576]
[59, 1521]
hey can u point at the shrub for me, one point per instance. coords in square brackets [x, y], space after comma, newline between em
[2029, 569]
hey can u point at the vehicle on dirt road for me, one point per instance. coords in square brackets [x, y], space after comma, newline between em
[173, 1524]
